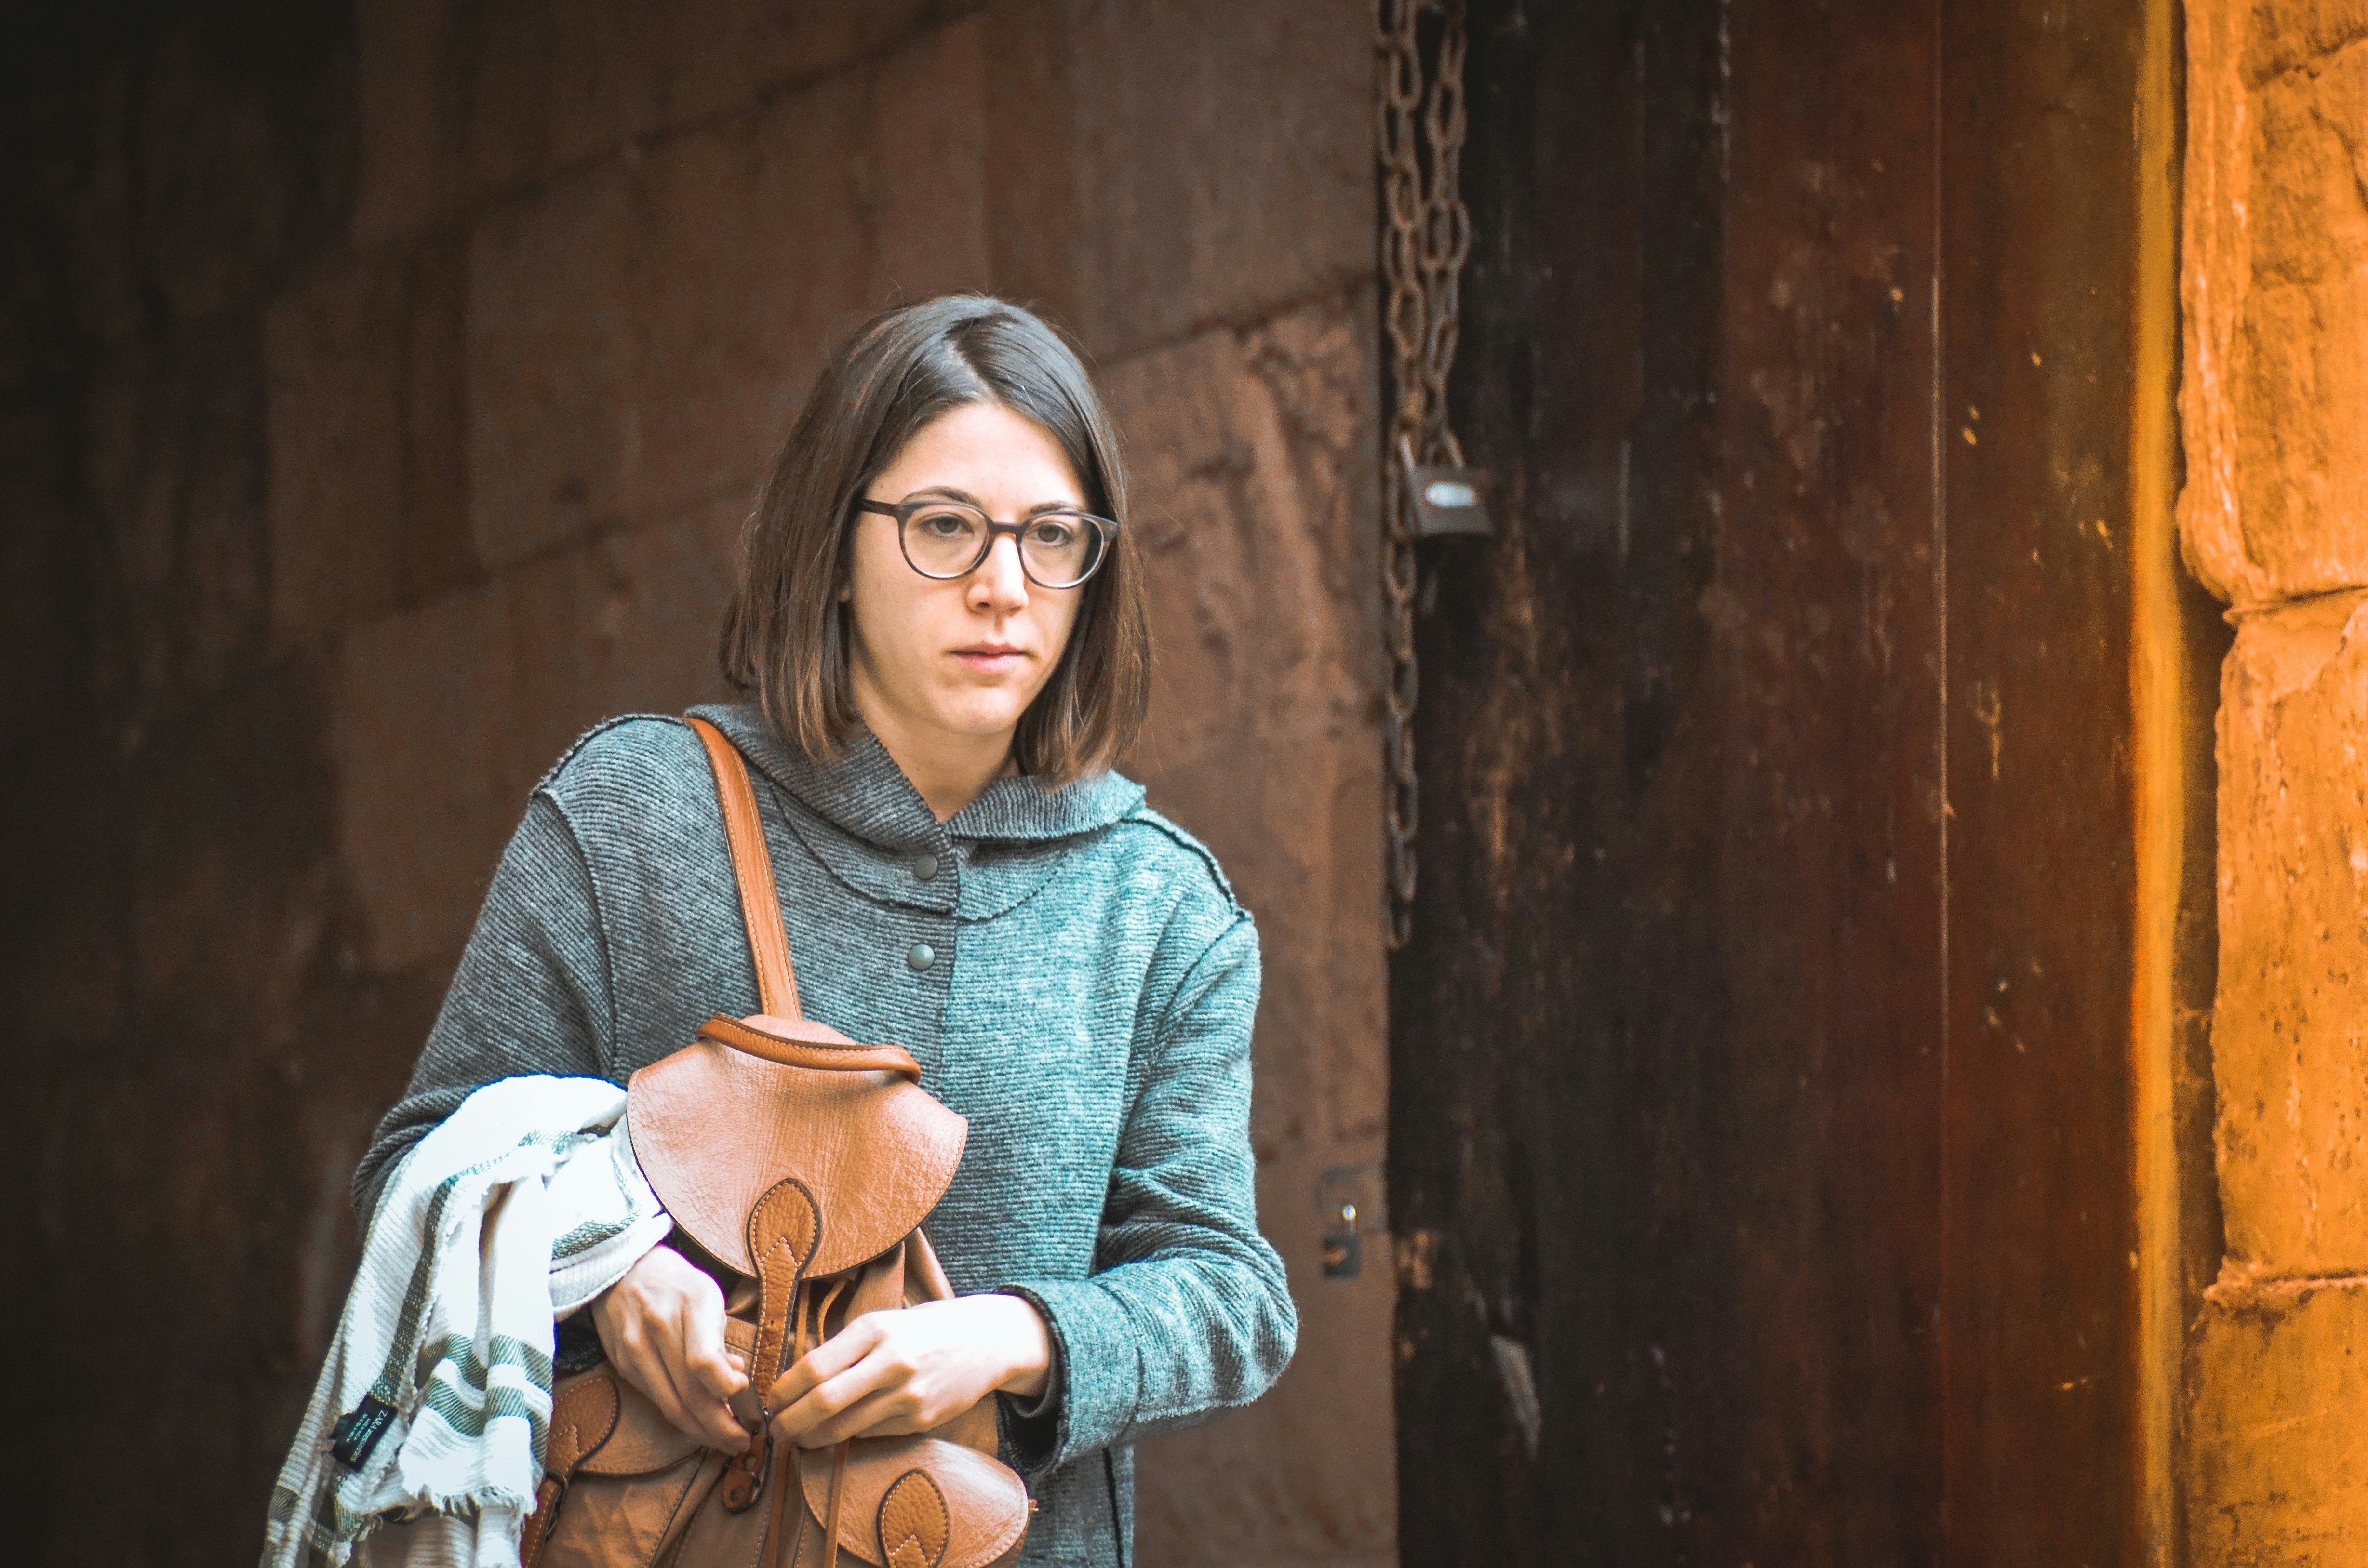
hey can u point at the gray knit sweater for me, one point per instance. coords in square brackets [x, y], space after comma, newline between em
[1074, 976]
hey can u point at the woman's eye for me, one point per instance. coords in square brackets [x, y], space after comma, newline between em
[944, 525]
[1054, 532]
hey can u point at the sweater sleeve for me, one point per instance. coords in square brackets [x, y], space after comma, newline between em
[531, 994]
[1187, 1313]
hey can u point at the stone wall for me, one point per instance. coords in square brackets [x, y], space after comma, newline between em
[383, 393]
[2274, 519]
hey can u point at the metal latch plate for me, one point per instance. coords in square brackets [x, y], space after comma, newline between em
[1449, 501]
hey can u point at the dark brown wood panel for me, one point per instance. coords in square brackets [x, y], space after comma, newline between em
[1762, 1059]
[2038, 233]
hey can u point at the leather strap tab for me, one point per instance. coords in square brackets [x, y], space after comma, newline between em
[838, 1491]
[915, 1526]
[760, 904]
[849, 1058]
[784, 1228]
[583, 1417]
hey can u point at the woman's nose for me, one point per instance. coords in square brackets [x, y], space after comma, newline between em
[999, 581]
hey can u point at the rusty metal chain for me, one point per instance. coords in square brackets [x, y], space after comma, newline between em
[1426, 234]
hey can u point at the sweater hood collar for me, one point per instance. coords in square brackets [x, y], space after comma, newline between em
[864, 793]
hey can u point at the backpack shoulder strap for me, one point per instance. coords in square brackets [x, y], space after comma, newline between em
[760, 905]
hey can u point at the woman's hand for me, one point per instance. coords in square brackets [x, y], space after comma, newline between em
[891, 1372]
[662, 1325]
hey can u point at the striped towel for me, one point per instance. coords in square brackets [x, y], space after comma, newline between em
[435, 1397]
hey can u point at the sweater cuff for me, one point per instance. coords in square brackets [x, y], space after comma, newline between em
[1095, 1385]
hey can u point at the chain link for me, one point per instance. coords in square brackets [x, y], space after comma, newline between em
[1426, 234]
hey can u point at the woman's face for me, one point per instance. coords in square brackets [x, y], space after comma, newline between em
[960, 660]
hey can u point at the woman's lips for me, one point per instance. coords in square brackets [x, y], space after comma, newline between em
[990, 658]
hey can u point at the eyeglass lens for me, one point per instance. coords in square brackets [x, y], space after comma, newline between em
[946, 539]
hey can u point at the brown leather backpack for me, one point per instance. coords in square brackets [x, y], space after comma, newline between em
[802, 1165]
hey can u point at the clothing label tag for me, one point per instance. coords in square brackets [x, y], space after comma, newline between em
[357, 1432]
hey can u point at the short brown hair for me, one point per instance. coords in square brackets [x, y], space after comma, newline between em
[785, 635]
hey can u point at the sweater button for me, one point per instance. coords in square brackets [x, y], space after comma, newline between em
[922, 956]
[925, 867]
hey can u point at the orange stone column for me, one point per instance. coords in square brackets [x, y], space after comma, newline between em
[2273, 408]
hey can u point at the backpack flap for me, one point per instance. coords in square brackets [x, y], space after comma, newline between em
[714, 1126]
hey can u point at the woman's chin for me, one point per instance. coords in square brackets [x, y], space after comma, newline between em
[979, 715]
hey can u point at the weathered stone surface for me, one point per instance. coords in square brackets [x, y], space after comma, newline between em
[456, 102]
[1254, 493]
[554, 442]
[445, 715]
[237, 164]
[1183, 163]
[752, 256]
[1254, 497]
[2290, 1031]
[421, 807]
[2274, 284]
[646, 65]
[404, 122]
[2285, 34]
[925, 176]
[39, 568]
[172, 452]
[640, 336]
[2274, 1444]
[463, 102]
[367, 433]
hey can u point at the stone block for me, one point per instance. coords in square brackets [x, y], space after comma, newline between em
[648, 65]
[461, 102]
[753, 256]
[2275, 289]
[926, 169]
[2274, 1446]
[1254, 494]
[455, 103]
[237, 168]
[404, 175]
[626, 625]
[333, 360]
[1306, 1475]
[445, 715]
[172, 455]
[554, 441]
[2290, 1028]
[423, 805]
[367, 502]
[1187, 164]
[38, 630]
[2285, 34]
[737, 51]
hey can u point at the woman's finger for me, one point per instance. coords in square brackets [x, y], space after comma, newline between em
[706, 1414]
[801, 1419]
[646, 1370]
[844, 1408]
[883, 1413]
[703, 1353]
[823, 1362]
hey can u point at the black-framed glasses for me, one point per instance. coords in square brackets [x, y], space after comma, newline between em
[946, 539]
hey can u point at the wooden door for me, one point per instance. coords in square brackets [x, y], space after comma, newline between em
[1764, 1148]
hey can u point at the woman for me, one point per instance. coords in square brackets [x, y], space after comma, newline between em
[940, 619]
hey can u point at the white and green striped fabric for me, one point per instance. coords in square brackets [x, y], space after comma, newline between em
[521, 1207]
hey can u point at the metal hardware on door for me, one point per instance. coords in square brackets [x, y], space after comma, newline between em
[1344, 1255]
[1447, 502]
[1426, 493]
[1349, 1198]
